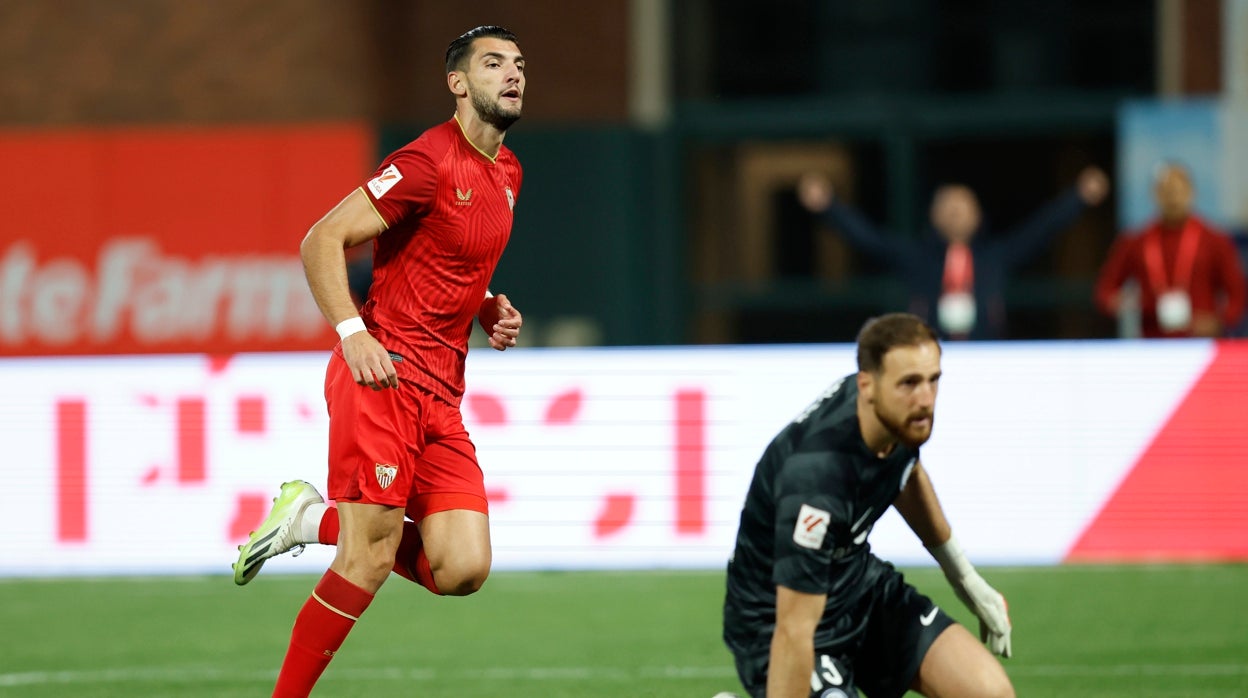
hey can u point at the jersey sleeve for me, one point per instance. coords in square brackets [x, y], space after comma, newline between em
[403, 186]
[1229, 280]
[810, 518]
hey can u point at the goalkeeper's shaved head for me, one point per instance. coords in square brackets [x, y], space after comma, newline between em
[884, 333]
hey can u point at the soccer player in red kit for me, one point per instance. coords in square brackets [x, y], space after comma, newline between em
[410, 494]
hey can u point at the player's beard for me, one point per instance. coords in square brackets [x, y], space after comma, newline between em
[907, 431]
[493, 113]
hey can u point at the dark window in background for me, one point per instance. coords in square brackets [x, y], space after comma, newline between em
[743, 48]
[795, 227]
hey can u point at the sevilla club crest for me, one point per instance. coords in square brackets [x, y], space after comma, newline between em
[385, 474]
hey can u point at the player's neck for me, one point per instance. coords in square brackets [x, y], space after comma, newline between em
[1173, 222]
[875, 435]
[484, 137]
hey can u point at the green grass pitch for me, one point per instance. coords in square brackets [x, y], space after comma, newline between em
[1083, 631]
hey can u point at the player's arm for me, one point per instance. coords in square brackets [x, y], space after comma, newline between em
[323, 251]
[1025, 241]
[919, 506]
[1230, 278]
[793, 644]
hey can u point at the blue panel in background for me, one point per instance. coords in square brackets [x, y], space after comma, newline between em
[1151, 132]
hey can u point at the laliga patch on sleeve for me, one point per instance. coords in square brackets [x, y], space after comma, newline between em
[811, 527]
[381, 184]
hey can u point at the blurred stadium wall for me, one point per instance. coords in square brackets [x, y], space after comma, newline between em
[661, 139]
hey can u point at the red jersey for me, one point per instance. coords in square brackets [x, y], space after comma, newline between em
[447, 210]
[1194, 258]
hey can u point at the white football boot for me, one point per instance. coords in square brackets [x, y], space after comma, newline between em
[277, 534]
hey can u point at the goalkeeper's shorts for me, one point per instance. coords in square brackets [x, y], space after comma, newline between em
[901, 625]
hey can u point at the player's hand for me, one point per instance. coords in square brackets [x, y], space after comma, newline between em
[990, 607]
[501, 321]
[987, 604]
[815, 192]
[1206, 325]
[369, 361]
[1093, 185]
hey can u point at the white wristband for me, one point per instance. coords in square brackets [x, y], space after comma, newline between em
[350, 326]
[951, 559]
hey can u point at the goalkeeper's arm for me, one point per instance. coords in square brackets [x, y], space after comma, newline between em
[987, 603]
[919, 506]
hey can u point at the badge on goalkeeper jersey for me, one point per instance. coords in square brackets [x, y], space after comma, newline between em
[811, 527]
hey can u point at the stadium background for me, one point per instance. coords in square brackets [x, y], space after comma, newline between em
[160, 162]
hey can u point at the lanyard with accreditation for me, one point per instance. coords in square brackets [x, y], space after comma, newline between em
[955, 310]
[1174, 304]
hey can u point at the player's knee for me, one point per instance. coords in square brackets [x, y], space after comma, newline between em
[996, 685]
[987, 680]
[463, 586]
[461, 578]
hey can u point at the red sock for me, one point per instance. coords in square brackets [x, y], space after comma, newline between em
[321, 626]
[328, 532]
[410, 561]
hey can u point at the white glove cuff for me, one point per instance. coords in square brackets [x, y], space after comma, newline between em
[951, 559]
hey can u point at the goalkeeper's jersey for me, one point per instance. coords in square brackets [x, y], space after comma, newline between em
[816, 493]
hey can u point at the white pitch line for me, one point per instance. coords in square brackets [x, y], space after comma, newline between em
[127, 675]
[1131, 670]
[201, 674]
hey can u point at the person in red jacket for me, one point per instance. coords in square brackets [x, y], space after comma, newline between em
[1191, 283]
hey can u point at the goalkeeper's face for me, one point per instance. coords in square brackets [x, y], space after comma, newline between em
[904, 392]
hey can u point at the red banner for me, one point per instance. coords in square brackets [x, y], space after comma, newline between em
[167, 240]
[1184, 497]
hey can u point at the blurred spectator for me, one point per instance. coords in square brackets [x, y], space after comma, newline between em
[958, 271]
[1190, 280]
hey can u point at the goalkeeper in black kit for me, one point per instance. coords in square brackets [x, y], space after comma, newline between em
[810, 611]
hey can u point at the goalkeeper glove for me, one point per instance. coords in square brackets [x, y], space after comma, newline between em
[987, 604]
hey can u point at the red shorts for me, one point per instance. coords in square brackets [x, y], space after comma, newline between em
[400, 447]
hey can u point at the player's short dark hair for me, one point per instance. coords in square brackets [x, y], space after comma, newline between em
[881, 334]
[461, 47]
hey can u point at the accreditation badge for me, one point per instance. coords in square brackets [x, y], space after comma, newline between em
[1174, 311]
[956, 313]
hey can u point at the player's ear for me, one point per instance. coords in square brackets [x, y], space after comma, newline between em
[455, 82]
[864, 385]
